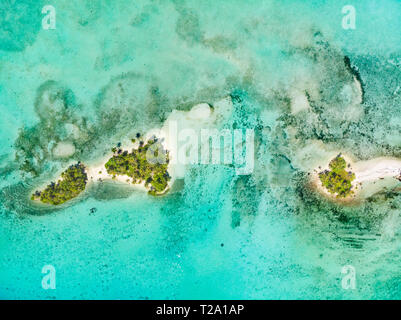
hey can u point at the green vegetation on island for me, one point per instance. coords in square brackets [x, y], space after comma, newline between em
[148, 163]
[337, 180]
[72, 183]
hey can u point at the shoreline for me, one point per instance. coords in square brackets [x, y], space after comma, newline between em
[198, 116]
[97, 173]
[371, 176]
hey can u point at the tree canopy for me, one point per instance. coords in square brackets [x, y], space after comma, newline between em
[337, 180]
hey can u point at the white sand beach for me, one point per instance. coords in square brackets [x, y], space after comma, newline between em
[200, 116]
[371, 176]
[377, 168]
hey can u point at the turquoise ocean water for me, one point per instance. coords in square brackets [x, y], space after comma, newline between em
[111, 68]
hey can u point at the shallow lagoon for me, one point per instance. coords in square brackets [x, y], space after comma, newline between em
[109, 70]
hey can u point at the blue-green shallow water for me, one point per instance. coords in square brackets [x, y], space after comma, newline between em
[114, 67]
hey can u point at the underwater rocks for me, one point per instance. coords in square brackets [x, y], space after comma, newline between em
[129, 100]
[245, 199]
[188, 26]
[354, 70]
[325, 102]
[126, 102]
[147, 164]
[60, 133]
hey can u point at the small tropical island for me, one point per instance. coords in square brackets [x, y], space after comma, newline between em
[346, 181]
[72, 182]
[337, 180]
[147, 162]
[146, 165]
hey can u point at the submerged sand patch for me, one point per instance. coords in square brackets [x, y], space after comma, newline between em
[64, 149]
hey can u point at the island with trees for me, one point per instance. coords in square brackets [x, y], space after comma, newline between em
[346, 181]
[146, 165]
[71, 183]
[337, 180]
